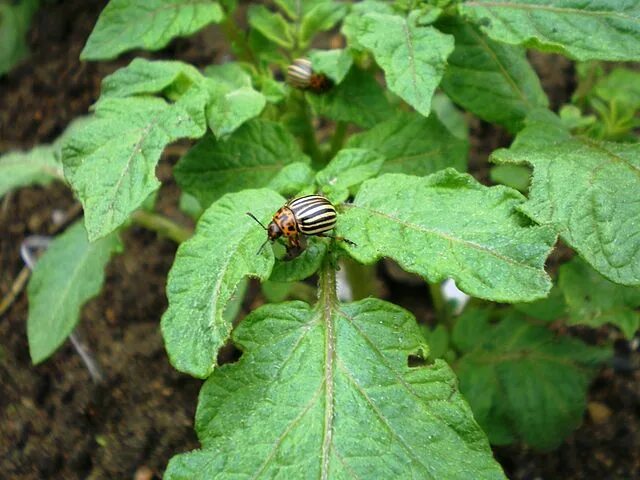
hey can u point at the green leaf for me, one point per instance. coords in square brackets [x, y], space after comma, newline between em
[320, 18]
[329, 394]
[144, 77]
[351, 24]
[584, 190]
[413, 144]
[449, 225]
[413, 57]
[621, 86]
[358, 99]
[110, 161]
[335, 64]
[272, 25]
[68, 274]
[252, 157]
[450, 116]
[521, 380]
[492, 80]
[547, 309]
[15, 19]
[37, 166]
[303, 266]
[514, 176]
[127, 24]
[593, 300]
[206, 272]
[599, 30]
[292, 178]
[229, 109]
[350, 167]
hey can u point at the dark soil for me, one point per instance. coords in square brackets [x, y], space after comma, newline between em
[55, 422]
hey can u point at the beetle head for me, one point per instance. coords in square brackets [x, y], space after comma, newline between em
[274, 231]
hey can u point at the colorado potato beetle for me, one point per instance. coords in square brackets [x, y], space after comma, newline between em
[308, 215]
[300, 75]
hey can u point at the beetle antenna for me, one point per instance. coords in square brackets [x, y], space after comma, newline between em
[259, 222]
[262, 246]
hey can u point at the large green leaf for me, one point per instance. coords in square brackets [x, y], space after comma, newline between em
[449, 225]
[598, 29]
[350, 167]
[358, 99]
[593, 300]
[413, 57]
[521, 380]
[335, 64]
[152, 24]
[110, 161]
[413, 144]
[68, 274]
[207, 269]
[252, 157]
[327, 392]
[588, 191]
[15, 18]
[493, 80]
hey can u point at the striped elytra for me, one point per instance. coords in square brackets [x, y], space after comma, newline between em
[313, 213]
[300, 75]
[308, 215]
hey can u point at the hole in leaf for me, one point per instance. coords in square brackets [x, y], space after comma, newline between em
[414, 361]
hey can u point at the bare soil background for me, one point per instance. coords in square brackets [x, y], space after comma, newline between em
[55, 422]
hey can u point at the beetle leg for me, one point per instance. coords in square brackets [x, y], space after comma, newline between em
[340, 239]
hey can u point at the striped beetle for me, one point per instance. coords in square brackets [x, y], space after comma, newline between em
[300, 75]
[308, 215]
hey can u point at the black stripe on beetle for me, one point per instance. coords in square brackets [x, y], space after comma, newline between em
[300, 75]
[308, 215]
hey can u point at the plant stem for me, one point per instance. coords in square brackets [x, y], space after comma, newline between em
[439, 304]
[362, 279]
[236, 39]
[338, 139]
[162, 225]
[309, 135]
[327, 293]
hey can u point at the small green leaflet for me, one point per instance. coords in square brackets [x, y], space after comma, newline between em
[335, 64]
[594, 30]
[587, 191]
[68, 274]
[449, 225]
[413, 57]
[593, 300]
[522, 381]
[303, 266]
[15, 18]
[413, 144]
[38, 166]
[256, 154]
[205, 274]
[144, 77]
[350, 167]
[493, 80]
[330, 387]
[127, 24]
[231, 108]
[110, 161]
[272, 25]
[320, 18]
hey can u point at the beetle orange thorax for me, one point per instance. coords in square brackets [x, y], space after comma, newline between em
[286, 222]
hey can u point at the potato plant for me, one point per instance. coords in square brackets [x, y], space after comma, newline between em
[335, 389]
